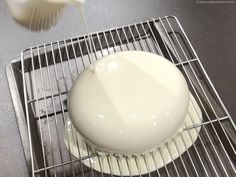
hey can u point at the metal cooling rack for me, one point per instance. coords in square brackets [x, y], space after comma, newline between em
[40, 82]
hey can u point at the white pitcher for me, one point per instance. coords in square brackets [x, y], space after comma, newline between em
[38, 15]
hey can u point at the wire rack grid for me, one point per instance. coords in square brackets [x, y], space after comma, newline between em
[49, 70]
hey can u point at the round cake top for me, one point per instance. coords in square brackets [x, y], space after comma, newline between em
[129, 102]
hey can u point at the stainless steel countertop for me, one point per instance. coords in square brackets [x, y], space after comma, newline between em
[210, 27]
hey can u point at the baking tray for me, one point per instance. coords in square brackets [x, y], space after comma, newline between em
[40, 80]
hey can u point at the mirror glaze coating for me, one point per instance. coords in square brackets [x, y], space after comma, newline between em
[129, 102]
[163, 155]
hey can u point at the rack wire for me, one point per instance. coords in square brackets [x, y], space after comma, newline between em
[48, 71]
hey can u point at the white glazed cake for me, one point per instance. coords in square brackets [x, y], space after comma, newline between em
[129, 102]
[159, 157]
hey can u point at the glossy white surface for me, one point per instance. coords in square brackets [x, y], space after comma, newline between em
[161, 156]
[129, 102]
